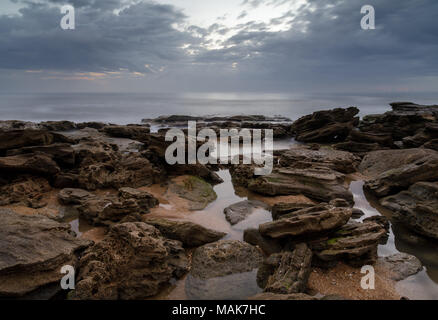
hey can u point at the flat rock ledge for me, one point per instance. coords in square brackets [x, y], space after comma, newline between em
[33, 249]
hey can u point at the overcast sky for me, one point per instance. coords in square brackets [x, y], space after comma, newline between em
[219, 46]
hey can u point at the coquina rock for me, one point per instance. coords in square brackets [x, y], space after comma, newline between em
[401, 265]
[355, 244]
[416, 208]
[292, 273]
[13, 139]
[282, 208]
[128, 205]
[405, 119]
[225, 269]
[190, 234]
[133, 261]
[307, 222]
[326, 126]
[25, 190]
[224, 257]
[409, 166]
[62, 153]
[36, 164]
[134, 132]
[322, 184]
[33, 249]
[341, 161]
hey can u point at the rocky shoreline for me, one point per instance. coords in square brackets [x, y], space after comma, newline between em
[141, 212]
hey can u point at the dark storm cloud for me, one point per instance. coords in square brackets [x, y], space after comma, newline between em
[141, 34]
[335, 48]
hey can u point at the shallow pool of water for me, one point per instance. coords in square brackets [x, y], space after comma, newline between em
[423, 285]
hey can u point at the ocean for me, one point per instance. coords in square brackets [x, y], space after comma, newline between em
[124, 108]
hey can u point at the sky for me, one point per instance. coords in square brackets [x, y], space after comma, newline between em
[278, 46]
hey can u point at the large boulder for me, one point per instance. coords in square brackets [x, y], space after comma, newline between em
[240, 211]
[322, 184]
[361, 142]
[326, 126]
[13, 139]
[133, 261]
[62, 153]
[401, 265]
[190, 234]
[224, 269]
[341, 161]
[292, 271]
[405, 120]
[307, 222]
[377, 162]
[394, 170]
[37, 164]
[33, 249]
[416, 208]
[355, 244]
[224, 257]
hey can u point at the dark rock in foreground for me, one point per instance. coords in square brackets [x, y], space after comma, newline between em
[133, 261]
[395, 170]
[33, 249]
[417, 208]
[286, 272]
[224, 257]
[224, 270]
[292, 273]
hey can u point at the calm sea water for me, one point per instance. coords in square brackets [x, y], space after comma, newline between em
[126, 108]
